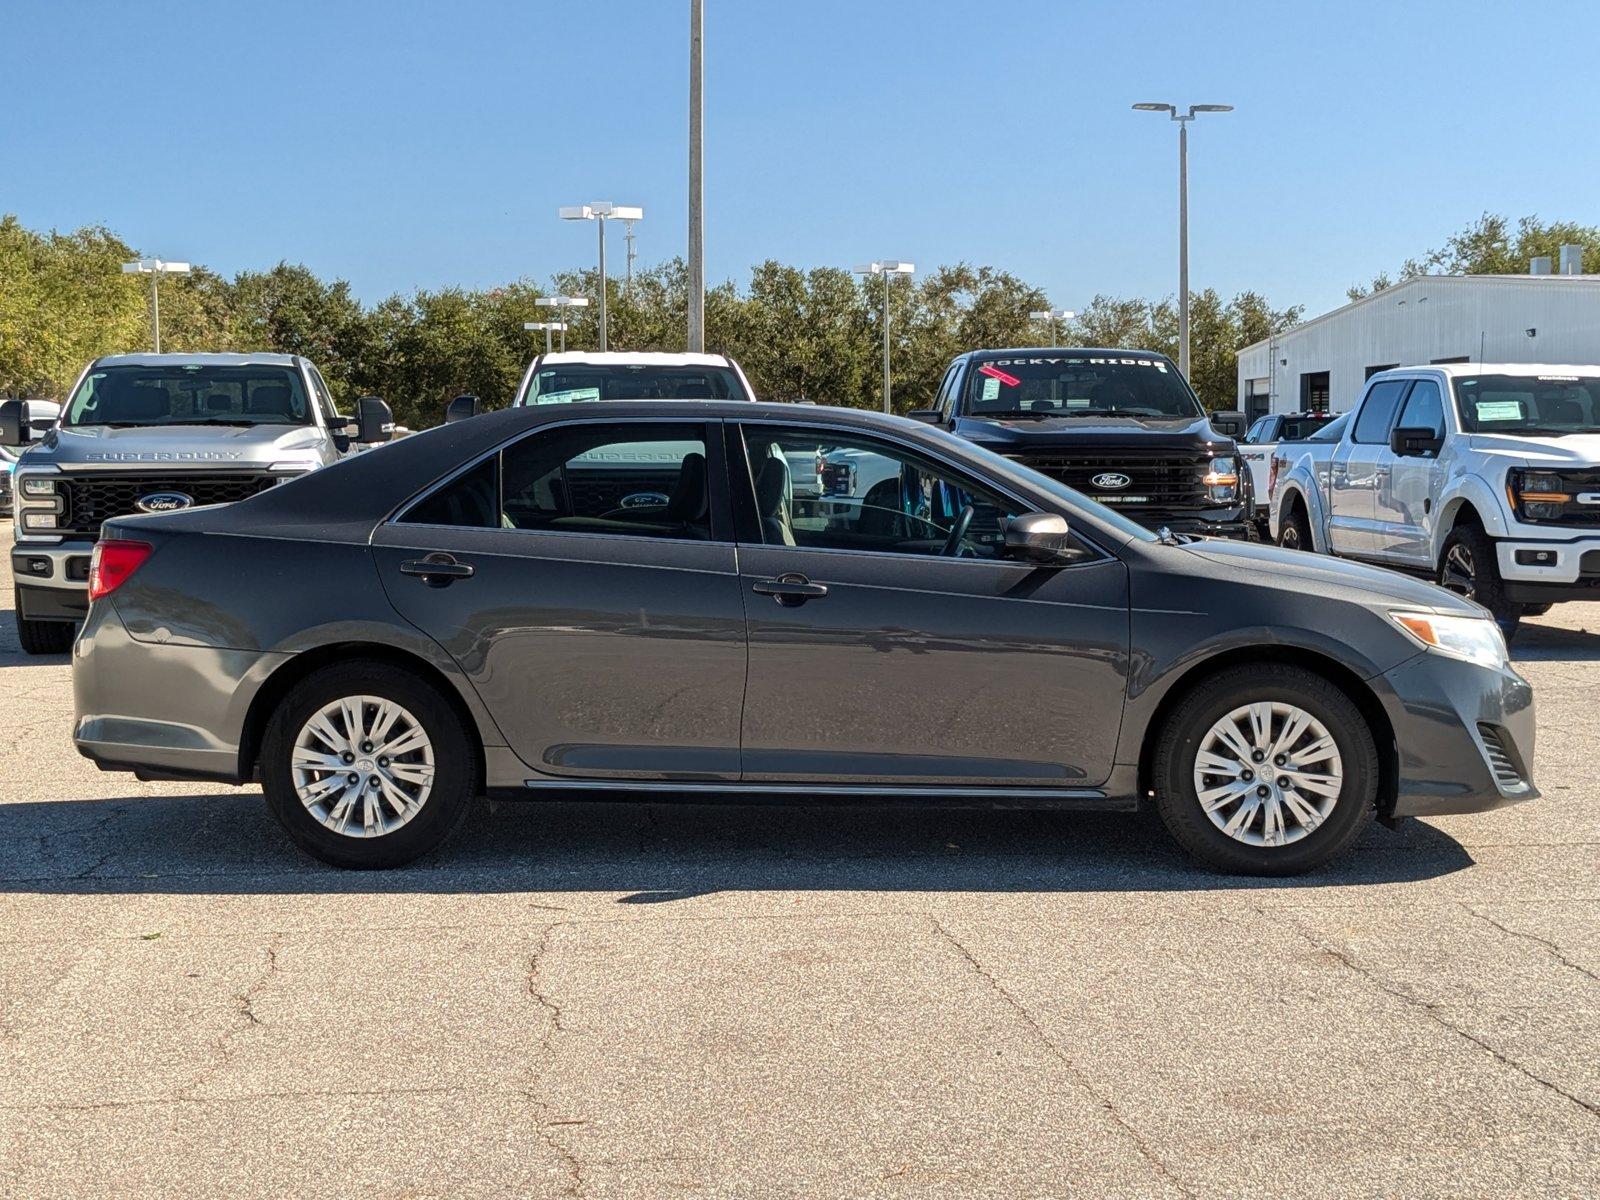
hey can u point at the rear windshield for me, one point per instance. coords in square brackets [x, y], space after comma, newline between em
[1074, 385]
[1298, 429]
[1530, 405]
[189, 395]
[1332, 431]
[576, 383]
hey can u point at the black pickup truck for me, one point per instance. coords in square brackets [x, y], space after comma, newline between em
[1121, 426]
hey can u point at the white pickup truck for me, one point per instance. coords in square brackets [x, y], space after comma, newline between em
[1260, 445]
[1484, 477]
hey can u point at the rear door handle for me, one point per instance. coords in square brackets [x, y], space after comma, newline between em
[790, 589]
[437, 570]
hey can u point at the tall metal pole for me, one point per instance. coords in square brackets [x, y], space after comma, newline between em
[1183, 248]
[547, 332]
[155, 311]
[886, 278]
[1052, 330]
[563, 337]
[601, 222]
[697, 135]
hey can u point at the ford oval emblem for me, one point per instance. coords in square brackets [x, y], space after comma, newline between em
[160, 502]
[1110, 480]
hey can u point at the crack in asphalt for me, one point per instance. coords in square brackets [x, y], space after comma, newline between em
[1433, 1011]
[245, 1003]
[1555, 950]
[553, 1024]
[314, 1094]
[1066, 1060]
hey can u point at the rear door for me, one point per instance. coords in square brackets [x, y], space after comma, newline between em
[584, 579]
[1357, 471]
[889, 646]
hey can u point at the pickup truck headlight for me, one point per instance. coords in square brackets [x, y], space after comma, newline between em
[39, 522]
[36, 488]
[1222, 479]
[1472, 639]
[1537, 495]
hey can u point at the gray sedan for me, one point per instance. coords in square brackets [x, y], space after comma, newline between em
[636, 598]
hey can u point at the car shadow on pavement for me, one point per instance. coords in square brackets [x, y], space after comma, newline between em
[227, 844]
[11, 654]
[1554, 643]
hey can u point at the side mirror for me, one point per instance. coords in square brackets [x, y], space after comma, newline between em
[374, 421]
[1415, 441]
[928, 416]
[1039, 537]
[1232, 423]
[14, 423]
[461, 408]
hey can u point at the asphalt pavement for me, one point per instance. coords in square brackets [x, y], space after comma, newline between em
[654, 1000]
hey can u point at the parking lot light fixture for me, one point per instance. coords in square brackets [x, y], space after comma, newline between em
[1183, 119]
[1053, 315]
[549, 327]
[886, 269]
[560, 302]
[155, 268]
[598, 212]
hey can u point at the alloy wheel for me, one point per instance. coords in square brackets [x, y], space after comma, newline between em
[1459, 573]
[1268, 774]
[363, 766]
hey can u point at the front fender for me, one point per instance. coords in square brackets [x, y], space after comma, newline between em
[1476, 492]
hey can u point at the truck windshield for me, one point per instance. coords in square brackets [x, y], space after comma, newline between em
[196, 394]
[1529, 405]
[1074, 385]
[575, 383]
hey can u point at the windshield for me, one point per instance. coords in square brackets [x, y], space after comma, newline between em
[1071, 385]
[1299, 428]
[189, 395]
[576, 382]
[1534, 405]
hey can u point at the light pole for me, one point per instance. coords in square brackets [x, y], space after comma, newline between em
[598, 212]
[886, 269]
[155, 268]
[697, 172]
[1183, 120]
[562, 302]
[627, 239]
[548, 327]
[1053, 315]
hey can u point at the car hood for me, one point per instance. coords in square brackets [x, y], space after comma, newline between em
[1300, 570]
[1575, 449]
[1174, 433]
[219, 445]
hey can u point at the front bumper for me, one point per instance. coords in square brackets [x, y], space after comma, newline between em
[1464, 735]
[1564, 570]
[52, 579]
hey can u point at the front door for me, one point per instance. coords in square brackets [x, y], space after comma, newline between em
[1405, 501]
[584, 579]
[1357, 471]
[889, 642]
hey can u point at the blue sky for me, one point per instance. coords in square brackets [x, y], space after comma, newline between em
[403, 145]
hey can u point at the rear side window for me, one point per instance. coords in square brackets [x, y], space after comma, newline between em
[1377, 414]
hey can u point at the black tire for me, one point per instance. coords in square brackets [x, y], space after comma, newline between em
[1536, 610]
[1468, 566]
[42, 637]
[1187, 725]
[1294, 533]
[456, 780]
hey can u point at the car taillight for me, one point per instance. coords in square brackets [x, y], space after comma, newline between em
[112, 563]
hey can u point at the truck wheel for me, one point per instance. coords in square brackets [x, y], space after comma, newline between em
[42, 637]
[1469, 567]
[1295, 532]
[368, 766]
[1266, 769]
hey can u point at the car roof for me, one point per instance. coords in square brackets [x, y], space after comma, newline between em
[197, 360]
[1455, 370]
[1074, 351]
[632, 358]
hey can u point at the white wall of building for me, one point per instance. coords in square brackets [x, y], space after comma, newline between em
[1483, 318]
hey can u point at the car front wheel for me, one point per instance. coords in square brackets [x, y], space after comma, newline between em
[1266, 769]
[42, 637]
[1470, 567]
[366, 765]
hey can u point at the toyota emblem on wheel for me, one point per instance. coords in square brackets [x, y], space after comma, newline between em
[1110, 480]
[160, 502]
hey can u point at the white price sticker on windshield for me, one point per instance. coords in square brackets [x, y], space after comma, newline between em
[1499, 410]
[991, 388]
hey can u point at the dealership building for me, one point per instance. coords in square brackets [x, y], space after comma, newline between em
[1321, 365]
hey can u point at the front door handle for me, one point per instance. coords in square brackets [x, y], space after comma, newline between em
[790, 589]
[437, 570]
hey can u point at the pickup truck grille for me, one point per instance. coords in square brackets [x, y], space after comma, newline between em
[1174, 481]
[90, 500]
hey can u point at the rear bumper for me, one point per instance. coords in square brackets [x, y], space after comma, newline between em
[1465, 736]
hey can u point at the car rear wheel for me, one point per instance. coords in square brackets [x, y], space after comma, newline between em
[366, 765]
[1266, 769]
[1470, 567]
[1295, 532]
[42, 637]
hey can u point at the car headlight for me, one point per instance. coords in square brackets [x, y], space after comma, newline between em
[1472, 639]
[33, 485]
[1222, 479]
[1537, 495]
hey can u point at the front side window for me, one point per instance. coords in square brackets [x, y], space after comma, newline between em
[1529, 405]
[1424, 408]
[1077, 385]
[572, 383]
[1377, 414]
[871, 496]
[197, 394]
[1258, 431]
[637, 480]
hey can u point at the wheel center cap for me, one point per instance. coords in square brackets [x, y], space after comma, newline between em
[364, 764]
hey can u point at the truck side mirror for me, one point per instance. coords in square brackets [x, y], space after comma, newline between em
[461, 408]
[23, 422]
[374, 421]
[1415, 441]
[1039, 538]
[928, 416]
[1232, 423]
